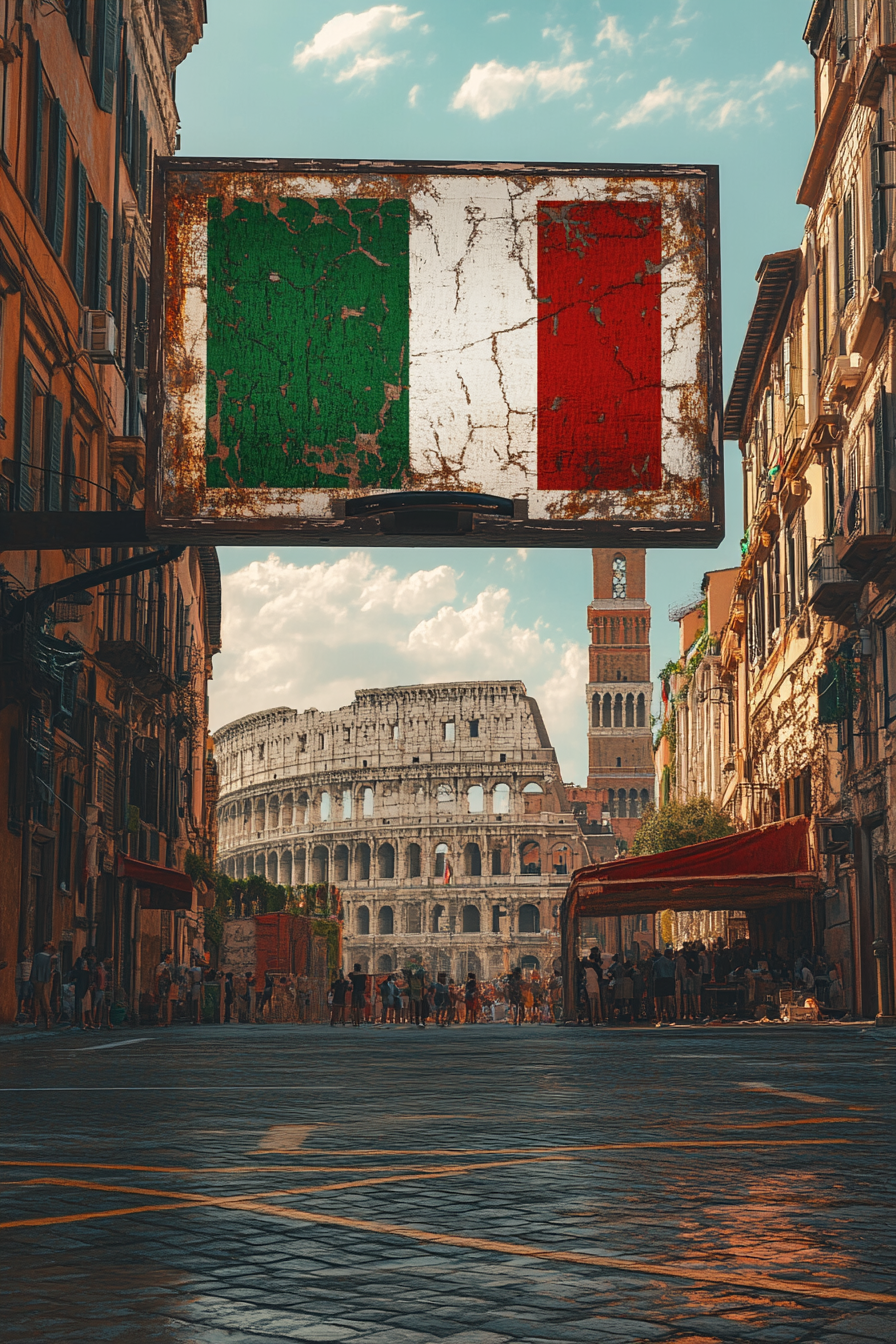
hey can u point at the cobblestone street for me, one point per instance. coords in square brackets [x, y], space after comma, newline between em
[470, 1186]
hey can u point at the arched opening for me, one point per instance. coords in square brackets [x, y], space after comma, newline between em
[260, 814]
[340, 863]
[629, 710]
[325, 806]
[530, 963]
[611, 802]
[385, 920]
[501, 799]
[532, 797]
[362, 920]
[529, 919]
[620, 804]
[286, 869]
[444, 796]
[470, 919]
[617, 712]
[472, 860]
[633, 809]
[385, 861]
[362, 861]
[413, 860]
[441, 860]
[475, 798]
[272, 869]
[299, 867]
[286, 811]
[595, 710]
[530, 859]
[620, 582]
[607, 719]
[320, 864]
[367, 801]
[302, 810]
[438, 914]
[641, 715]
[384, 962]
[500, 860]
[645, 800]
[273, 812]
[560, 859]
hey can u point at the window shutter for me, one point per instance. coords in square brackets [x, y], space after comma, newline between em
[79, 244]
[878, 174]
[883, 459]
[125, 94]
[37, 129]
[69, 471]
[105, 41]
[849, 249]
[99, 245]
[53, 457]
[57, 179]
[141, 317]
[142, 169]
[77, 23]
[24, 491]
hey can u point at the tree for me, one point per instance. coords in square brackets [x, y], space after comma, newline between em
[679, 824]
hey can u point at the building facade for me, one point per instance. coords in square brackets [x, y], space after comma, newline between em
[805, 663]
[103, 724]
[438, 811]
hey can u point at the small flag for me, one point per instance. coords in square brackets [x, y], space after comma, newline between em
[447, 878]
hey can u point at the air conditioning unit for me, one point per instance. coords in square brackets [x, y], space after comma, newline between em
[100, 340]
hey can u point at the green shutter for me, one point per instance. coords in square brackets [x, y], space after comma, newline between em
[37, 130]
[79, 246]
[99, 250]
[105, 47]
[24, 490]
[878, 177]
[77, 23]
[141, 317]
[53, 457]
[69, 484]
[126, 107]
[883, 460]
[57, 178]
[143, 165]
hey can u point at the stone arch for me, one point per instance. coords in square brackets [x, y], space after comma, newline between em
[501, 799]
[529, 919]
[595, 710]
[644, 800]
[607, 711]
[633, 809]
[362, 919]
[472, 860]
[617, 712]
[302, 809]
[561, 858]
[362, 861]
[286, 810]
[260, 814]
[298, 866]
[384, 962]
[438, 912]
[367, 801]
[320, 864]
[385, 860]
[441, 859]
[475, 798]
[629, 710]
[385, 919]
[325, 805]
[412, 859]
[641, 715]
[470, 921]
[530, 858]
[340, 863]
[274, 812]
[286, 868]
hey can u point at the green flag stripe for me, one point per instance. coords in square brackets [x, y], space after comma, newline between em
[307, 349]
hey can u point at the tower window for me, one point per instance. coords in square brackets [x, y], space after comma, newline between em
[618, 762]
[619, 585]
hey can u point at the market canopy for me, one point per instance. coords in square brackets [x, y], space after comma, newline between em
[161, 888]
[745, 871]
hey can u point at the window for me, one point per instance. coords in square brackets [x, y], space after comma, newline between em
[444, 795]
[500, 862]
[533, 796]
[629, 710]
[321, 741]
[475, 798]
[878, 178]
[441, 860]
[301, 743]
[619, 576]
[367, 801]
[413, 860]
[560, 859]
[474, 727]
[362, 920]
[448, 730]
[396, 732]
[386, 861]
[529, 919]
[104, 60]
[346, 734]
[888, 653]
[883, 461]
[530, 859]
[362, 861]
[346, 804]
[385, 920]
[501, 799]
[472, 860]
[617, 711]
[618, 762]
[641, 717]
[470, 922]
[325, 806]
[340, 863]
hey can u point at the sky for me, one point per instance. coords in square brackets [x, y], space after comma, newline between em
[658, 81]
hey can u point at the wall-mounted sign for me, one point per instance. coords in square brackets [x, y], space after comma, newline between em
[435, 352]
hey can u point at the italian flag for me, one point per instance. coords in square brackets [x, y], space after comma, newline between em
[484, 334]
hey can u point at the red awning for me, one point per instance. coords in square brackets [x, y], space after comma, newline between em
[168, 888]
[752, 868]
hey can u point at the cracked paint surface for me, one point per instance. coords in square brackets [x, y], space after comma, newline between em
[332, 334]
[307, 343]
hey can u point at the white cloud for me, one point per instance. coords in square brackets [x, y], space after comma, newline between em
[313, 634]
[679, 18]
[494, 88]
[563, 36]
[717, 106]
[413, 95]
[498, 18]
[561, 699]
[356, 34]
[615, 36]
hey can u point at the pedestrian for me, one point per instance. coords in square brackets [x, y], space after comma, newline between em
[164, 980]
[43, 965]
[416, 979]
[195, 983]
[267, 993]
[100, 985]
[555, 990]
[359, 986]
[229, 996]
[471, 998]
[441, 1000]
[338, 991]
[514, 991]
[24, 987]
[250, 995]
[664, 986]
[592, 990]
[80, 977]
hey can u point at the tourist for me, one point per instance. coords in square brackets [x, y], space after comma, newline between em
[471, 999]
[229, 996]
[80, 978]
[250, 996]
[441, 999]
[515, 995]
[358, 982]
[338, 991]
[454, 1001]
[24, 986]
[592, 990]
[195, 983]
[164, 981]
[100, 986]
[267, 993]
[555, 990]
[664, 986]
[416, 979]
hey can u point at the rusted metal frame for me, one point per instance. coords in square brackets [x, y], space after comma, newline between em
[657, 533]
[44, 597]
[72, 531]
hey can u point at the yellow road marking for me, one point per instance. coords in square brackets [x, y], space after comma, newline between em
[103, 1213]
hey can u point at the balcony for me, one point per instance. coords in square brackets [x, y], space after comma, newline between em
[832, 589]
[133, 661]
[867, 543]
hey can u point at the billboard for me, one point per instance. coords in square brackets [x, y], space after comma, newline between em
[434, 353]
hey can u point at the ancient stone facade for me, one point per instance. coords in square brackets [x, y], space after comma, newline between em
[438, 811]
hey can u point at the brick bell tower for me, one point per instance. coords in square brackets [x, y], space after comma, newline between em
[620, 742]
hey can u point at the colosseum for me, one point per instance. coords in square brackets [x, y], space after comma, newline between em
[437, 810]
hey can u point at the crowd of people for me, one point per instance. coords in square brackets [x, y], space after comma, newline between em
[700, 982]
[80, 999]
[415, 997]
